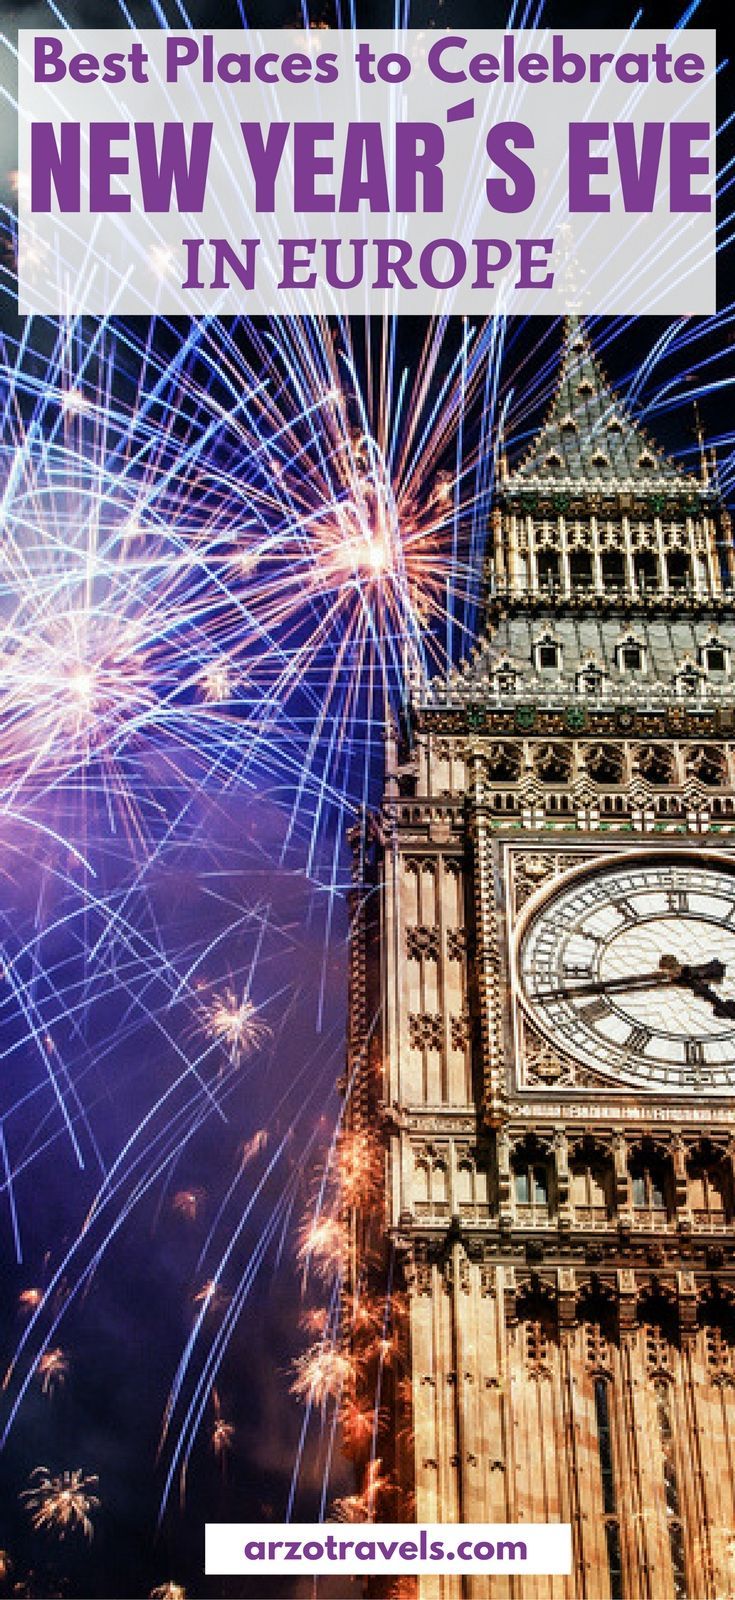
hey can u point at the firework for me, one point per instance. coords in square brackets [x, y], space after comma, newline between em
[168, 1591]
[53, 1369]
[321, 1373]
[235, 1023]
[29, 1300]
[321, 1246]
[188, 1203]
[62, 1504]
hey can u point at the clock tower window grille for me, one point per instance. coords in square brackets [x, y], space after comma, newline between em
[664, 1413]
[607, 1478]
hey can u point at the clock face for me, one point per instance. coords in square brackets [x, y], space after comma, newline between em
[629, 967]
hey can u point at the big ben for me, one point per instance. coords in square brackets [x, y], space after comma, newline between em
[542, 1036]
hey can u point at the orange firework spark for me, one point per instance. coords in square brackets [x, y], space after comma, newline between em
[252, 1147]
[61, 1504]
[53, 1369]
[321, 1373]
[187, 1203]
[29, 1299]
[357, 1166]
[321, 1246]
[211, 1295]
[361, 1507]
[168, 1591]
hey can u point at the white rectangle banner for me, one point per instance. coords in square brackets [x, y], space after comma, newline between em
[304, 1549]
[357, 172]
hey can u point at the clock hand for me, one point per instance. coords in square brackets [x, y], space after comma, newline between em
[670, 971]
[720, 1006]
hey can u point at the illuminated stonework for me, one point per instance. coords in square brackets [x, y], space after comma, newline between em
[542, 1040]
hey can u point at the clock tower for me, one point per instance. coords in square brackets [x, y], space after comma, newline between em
[538, 1148]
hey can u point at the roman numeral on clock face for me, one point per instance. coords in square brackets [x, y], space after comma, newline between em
[694, 1052]
[594, 1010]
[678, 901]
[637, 1040]
[625, 910]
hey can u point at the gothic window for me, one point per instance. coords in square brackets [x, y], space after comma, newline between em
[599, 459]
[465, 1194]
[580, 569]
[504, 763]
[421, 1187]
[708, 1186]
[532, 1184]
[646, 569]
[553, 763]
[607, 1477]
[656, 763]
[548, 655]
[585, 387]
[678, 569]
[629, 655]
[548, 569]
[649, 1176]
[568, 425]
[613, 568]
[440, 1187]
[553, 459]
[591, 680]
[664, 1411]
[646, 461]
[591, 1179]
[707, 763]
[605, 763]
[615, 425]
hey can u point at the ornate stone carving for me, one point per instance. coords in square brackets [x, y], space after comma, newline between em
[543, 1064]
[456, 943]
[460, 1031]
[425, 1030]
[422, 940]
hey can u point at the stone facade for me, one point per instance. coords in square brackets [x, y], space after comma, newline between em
[552, 1253]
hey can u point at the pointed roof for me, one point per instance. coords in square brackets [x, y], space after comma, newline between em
[589, 438]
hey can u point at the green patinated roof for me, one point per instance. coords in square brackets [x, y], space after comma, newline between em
[589, 438]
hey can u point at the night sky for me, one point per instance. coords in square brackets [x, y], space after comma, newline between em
[240, 871]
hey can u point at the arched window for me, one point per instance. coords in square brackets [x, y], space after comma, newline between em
[592, 1186]
[708, 1185]
[548, 569]
[613, 568]
[678, 569]
[650, 1180]
[531, 1181]
[580, 569]
[645, 567]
